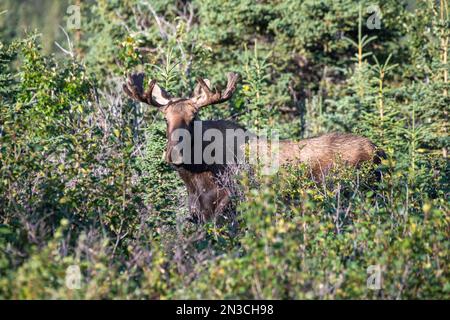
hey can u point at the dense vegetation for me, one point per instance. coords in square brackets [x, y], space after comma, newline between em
[83, 184]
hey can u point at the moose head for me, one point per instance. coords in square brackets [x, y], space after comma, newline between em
[179, 113]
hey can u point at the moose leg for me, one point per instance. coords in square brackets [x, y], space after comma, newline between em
[208, 203]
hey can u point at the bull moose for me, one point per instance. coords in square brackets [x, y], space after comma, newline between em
[206, 196]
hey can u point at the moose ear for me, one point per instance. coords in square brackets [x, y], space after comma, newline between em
[160, 96]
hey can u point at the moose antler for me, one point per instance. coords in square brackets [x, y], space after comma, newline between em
[208, 97]
[134, 88]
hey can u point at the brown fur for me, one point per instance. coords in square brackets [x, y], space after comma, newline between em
[207, 197]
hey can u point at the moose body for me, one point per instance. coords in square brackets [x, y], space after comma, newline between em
[206, 195]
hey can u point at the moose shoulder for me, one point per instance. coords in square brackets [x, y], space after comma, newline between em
[189, 138]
